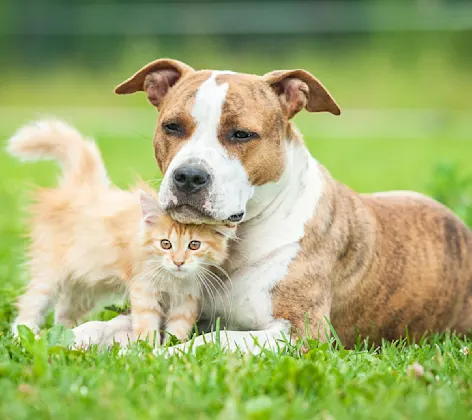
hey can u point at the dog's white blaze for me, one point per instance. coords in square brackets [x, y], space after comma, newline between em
[230, 188]
[207, 113]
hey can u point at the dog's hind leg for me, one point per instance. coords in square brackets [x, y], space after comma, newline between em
[464, 322]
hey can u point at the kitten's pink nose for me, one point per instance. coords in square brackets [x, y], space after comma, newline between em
[179, 263]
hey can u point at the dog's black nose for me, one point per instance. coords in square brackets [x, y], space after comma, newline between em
[190, 179]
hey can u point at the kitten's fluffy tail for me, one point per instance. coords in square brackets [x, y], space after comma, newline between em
[79, 158]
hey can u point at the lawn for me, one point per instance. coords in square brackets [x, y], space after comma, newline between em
[43, 379]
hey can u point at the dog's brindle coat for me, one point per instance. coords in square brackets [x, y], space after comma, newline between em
[310, 246]
[389, 262]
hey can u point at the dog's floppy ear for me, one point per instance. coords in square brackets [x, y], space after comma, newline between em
[298, 89]
[155, 79]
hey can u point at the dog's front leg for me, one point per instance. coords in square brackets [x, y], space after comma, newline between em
[104, 333]
[303, 297]
[276, 337]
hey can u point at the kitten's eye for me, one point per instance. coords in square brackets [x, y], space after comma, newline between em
[194, 245]
[242, 136]
[165, 244]
[173, 129]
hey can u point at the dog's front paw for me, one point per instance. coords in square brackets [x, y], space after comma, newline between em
[103, 333]
[89, 334]
[123, 338]
[180, 349]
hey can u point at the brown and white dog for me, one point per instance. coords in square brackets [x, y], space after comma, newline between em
[310, 248]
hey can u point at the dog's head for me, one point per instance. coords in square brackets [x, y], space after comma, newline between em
[219, 134]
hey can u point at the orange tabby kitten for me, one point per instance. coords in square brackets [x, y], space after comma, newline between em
[91, 241]
[177, 256]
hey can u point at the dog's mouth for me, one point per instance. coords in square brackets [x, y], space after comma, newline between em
[236, 218]
[188, 214]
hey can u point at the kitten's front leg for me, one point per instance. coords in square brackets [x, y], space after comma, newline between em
[181, 318]
[34, 304]
[147, 314]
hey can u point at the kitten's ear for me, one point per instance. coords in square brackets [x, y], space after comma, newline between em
[149, 207]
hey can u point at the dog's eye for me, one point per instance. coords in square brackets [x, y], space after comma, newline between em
[165, 244]
[194, 245]
[242, 136]
[173, 128]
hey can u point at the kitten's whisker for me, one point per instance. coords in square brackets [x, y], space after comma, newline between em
[145, 277]
[214, 277]
[145, 271]
[162, 277]
[204, 296]
[140, 263]
[224, 288]
[136, 271]
[238, 240]
[142, 274]
[220, 282]
[210, 296]
[194, 279]
[154, 180]
[222, 270]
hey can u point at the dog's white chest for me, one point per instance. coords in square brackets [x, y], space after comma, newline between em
[267, 245]
[251, 299]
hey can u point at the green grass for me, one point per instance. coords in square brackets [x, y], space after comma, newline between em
[45, 380]
[42, 379]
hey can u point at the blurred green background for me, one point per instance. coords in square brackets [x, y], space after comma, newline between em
[400, 70]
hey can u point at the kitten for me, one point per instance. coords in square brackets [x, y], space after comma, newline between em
[91, 241]
[177, 258]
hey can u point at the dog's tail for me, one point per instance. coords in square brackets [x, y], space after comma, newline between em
[79, 157]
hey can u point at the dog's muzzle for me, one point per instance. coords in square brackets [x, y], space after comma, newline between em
[193, 194]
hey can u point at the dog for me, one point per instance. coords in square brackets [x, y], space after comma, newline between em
[311, 250]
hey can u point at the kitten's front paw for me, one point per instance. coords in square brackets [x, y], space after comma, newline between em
[32, 326]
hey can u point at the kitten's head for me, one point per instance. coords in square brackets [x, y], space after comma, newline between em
[182, 249]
